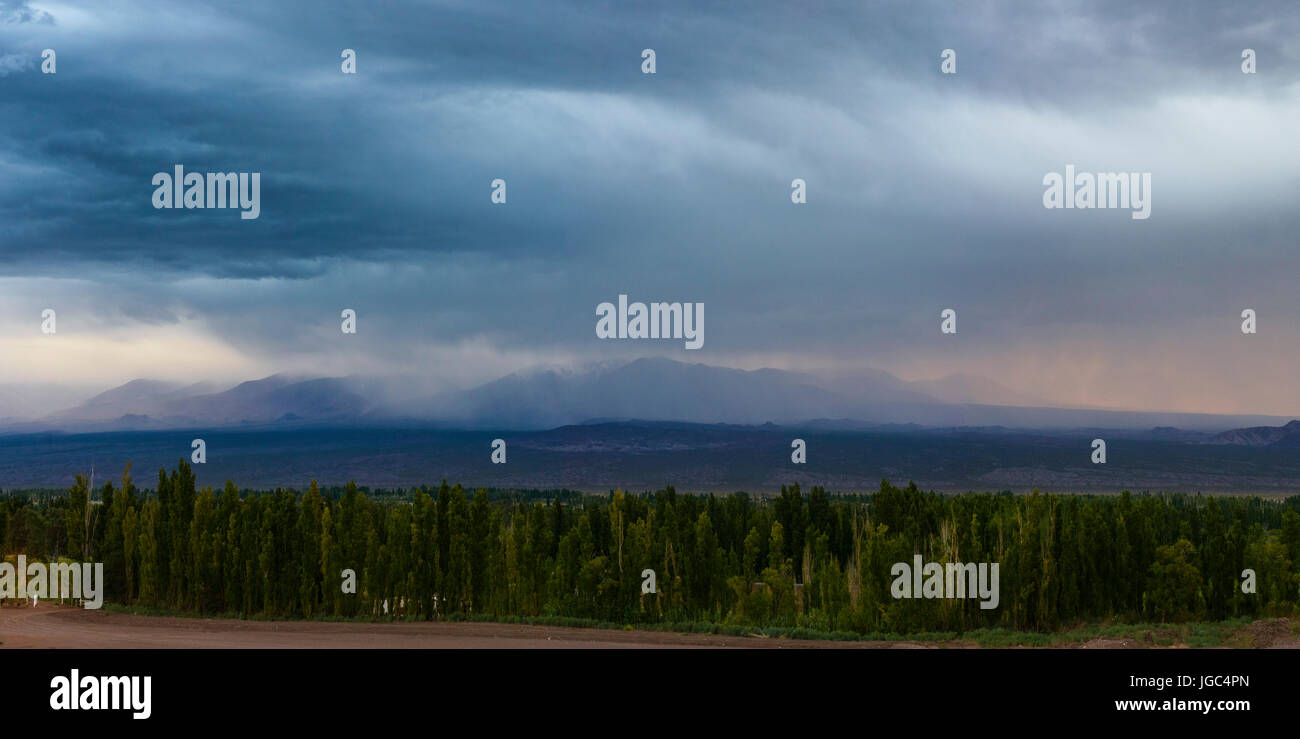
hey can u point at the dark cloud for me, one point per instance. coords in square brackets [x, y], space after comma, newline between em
[924, 188]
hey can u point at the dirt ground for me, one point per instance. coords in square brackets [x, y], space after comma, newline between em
[1262, 634]
[50, 626]
[1270, 634]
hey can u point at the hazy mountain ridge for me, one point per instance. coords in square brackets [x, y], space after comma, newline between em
[645, 389]
[152, 404]
[640, 390]
[1287, 435]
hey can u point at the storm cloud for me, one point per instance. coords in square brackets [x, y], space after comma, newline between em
[924, 190]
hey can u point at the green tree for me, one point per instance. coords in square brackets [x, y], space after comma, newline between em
[1175, 582]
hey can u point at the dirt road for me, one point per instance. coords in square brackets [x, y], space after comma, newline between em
[49, 626]
[63, 627]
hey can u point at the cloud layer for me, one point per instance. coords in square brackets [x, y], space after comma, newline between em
[924, 190]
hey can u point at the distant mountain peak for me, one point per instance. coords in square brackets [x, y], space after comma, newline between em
[275, 399]
[1280, 436]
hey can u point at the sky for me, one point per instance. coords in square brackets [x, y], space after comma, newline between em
[924, 191]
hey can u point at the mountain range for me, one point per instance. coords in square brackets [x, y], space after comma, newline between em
[1286, 436]
[643, 390]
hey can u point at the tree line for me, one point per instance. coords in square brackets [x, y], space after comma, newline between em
[812, 560]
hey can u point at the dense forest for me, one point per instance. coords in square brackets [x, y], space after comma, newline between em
[812, 560]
